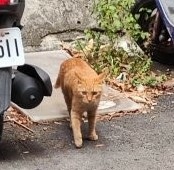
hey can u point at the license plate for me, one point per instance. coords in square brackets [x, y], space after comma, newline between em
[11, 47]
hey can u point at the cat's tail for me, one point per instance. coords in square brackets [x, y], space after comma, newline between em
[57, 84]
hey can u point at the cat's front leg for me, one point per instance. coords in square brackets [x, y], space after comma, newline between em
[76, 119]
[92, 123]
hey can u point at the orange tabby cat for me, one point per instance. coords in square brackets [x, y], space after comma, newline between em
[82, 88]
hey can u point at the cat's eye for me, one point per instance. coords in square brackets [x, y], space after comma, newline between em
[84, 92]
[94, 93]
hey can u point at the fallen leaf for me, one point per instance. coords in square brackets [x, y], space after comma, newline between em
[144, 111]
[140, 88]
[100, 145]
[58, 123]
[153, 117]
[45, 128]
[152, 108]
[138, 99]
[168, 84]
[26, 152]
[154, 104]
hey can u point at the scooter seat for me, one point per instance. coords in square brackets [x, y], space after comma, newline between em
[168, 9]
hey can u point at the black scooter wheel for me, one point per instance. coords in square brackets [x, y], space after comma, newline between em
[161, 52]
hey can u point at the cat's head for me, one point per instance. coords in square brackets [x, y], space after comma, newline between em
[90, 88]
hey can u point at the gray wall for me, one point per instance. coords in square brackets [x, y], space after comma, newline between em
[46, 23]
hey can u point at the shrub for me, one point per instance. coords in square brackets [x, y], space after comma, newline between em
[102, 50]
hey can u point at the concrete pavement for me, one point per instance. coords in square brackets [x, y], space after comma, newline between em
[54, 107]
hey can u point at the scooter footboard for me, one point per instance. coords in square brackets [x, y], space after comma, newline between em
[5, 88]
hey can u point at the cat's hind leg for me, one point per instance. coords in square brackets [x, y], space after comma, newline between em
[57, 83]
[68, 101]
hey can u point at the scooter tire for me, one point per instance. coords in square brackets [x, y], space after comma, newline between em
[160, 52]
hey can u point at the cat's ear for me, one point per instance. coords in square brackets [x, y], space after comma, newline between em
[101, 77]
[80, 77]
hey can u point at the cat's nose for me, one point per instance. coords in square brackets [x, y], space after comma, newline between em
[89, 99]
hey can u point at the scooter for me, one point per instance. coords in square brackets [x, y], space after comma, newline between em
[157, 18]
[21, 83]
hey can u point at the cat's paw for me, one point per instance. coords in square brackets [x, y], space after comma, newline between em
[93, 137]
[78, 143]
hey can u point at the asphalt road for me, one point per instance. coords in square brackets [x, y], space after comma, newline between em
[137, 142]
